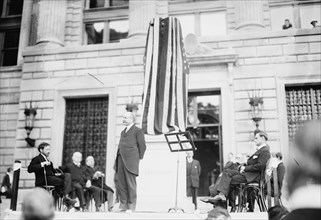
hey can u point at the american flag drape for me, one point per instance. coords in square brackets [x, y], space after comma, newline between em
[166, 71]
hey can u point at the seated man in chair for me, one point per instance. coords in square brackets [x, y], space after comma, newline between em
[46, 175]
[97, 180]
[249, 173]
[78, 182]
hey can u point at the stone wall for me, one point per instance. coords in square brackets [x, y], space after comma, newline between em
[74, 24]
[265, 59]
[47, 72]
[9, 106]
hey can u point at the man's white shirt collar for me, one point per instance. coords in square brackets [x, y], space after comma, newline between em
[259, 147]
[128, 127]
[44, 157]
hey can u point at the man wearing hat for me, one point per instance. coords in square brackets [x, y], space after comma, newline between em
[248, 173]
[314, 24]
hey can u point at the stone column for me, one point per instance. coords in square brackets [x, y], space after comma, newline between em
[51, 23]
[25, 29]
[249, 15]
[140, 14]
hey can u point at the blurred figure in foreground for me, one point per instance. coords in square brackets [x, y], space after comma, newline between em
[218, 213]
[304, 176]
[277, 212]
[38, 205]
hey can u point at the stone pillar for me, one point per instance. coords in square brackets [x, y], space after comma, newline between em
[25, 29]
[140, 14]
[249, 15]
[51, 23]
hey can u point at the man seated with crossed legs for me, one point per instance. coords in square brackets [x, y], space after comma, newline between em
[248, 173]
[41, 165]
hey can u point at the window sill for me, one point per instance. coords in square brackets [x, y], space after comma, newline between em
[10, 68]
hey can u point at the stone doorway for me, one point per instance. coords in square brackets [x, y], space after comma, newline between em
[85, 131]
[204, 123]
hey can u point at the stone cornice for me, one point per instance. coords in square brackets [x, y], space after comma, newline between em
[124, 44]
[262, 34]
[212, 59]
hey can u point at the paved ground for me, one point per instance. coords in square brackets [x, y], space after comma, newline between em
[139, 215]
[203, 207]
[10, 215]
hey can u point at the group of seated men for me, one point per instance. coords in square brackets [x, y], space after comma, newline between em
[236, 172]
[76, 180]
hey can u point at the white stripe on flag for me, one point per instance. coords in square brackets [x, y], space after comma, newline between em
[151, 110]
[180, 72]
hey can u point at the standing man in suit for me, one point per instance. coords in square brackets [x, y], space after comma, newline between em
[193, 172]
[41, 166]
[6, 186]
[131, 150]
[248, 173]
[276, 162]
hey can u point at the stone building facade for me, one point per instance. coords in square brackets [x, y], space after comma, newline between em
[54, 65]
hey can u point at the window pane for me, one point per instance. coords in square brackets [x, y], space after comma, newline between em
[95, 33]
[15, 7]
[11, 39]
[118, 30]
[187, 24]
[203, 109]
[10, 57]
[97, 4]
[1, 7]
[303, 104]
[213, 24]
[308, 14]
[278, 15]
[119, 2]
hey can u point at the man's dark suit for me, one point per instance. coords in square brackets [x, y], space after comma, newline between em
[255, 165]
[78, 180]
[61, 182]
[304, 214]
[7, 185]
[98, 185]
[131, 149]
[280, 175]
[193, 172]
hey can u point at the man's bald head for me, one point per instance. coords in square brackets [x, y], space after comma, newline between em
[90, 161]
[128, 118]
[77, 157]
[38, 205]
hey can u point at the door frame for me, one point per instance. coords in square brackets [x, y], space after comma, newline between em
[58, 124]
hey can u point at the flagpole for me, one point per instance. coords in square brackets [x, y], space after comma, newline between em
[176, 208]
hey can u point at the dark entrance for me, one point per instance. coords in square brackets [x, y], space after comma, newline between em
[204, 123]
[86, 129]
